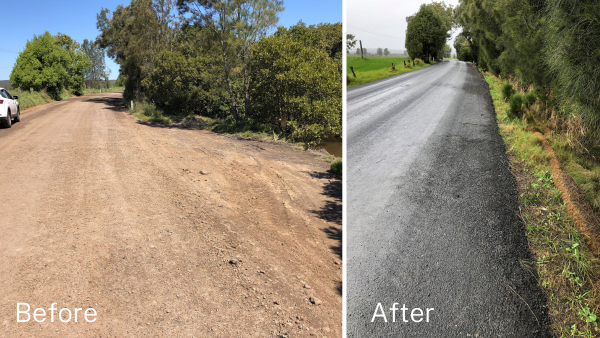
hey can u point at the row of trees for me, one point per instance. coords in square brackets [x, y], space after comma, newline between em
[56, 62]
[217, 58]
[428, 31]
[552, 44]
[379, 52]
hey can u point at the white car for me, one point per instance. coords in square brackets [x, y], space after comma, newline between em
[9, 108]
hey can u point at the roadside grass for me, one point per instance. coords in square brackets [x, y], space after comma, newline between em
[373, 68]
[329, 158]
[28, 100]
[336, 167]
[149, 112]
[566, 268]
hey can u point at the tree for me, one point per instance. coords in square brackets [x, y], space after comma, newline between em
[365, 51]
[357, 51]
[98, 71]
[237, 24]
[298, 84]
[134, 37]
[447, 51]
[379, 51]
[572, 55]
[51, 63]
[350, 41]
[386, 52]
[463, 48]
[426, 33]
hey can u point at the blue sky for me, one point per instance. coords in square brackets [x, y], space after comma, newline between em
[77, 19]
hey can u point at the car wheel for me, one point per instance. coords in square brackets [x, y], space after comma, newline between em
[18, 117]
[8, 121]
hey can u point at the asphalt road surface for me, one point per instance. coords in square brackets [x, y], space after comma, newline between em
[432, 217]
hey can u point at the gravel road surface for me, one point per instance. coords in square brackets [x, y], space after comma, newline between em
[166, 231]
[432, 219]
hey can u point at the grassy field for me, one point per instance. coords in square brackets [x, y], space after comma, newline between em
[373, 68]
[566, 268]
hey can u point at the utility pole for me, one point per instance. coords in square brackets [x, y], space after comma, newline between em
[361, 52]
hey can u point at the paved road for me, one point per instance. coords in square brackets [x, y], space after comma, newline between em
[431, 213]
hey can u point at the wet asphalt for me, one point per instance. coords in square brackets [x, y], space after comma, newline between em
[432, 213]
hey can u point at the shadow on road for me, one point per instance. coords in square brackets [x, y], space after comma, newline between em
[332, 210]
[112, 103]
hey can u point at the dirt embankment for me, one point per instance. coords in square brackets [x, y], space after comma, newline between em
[578, 207]
[164, 231]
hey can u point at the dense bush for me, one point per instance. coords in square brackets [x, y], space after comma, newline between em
[184, 85]
[529, 99]
[290, 81]
[550, 44]
[297, 87]
[516, 105]
[336, 167]
[507, 91]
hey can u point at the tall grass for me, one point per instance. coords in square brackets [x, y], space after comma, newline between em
[149, 112]
[28, 100]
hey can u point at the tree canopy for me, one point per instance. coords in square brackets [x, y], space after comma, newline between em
[428, 31]
[299, 82]
[52, 63]
[216, 57]
[551, 44]
[96, 76]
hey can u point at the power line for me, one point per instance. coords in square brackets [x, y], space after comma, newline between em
[366, 31]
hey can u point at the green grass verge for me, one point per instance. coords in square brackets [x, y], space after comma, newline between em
[566, 268]
[336, 167]
[28, 100]
[373, 68]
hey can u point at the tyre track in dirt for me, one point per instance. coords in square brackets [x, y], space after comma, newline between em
[111, 212]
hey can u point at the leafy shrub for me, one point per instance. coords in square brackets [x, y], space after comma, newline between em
[298, 84]
[182, 85]
[529, 99]
[148, 112]
[336, 167]
[516, 105]
[507, 91]
[419, 62]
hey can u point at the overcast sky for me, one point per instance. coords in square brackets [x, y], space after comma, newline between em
[382, 23]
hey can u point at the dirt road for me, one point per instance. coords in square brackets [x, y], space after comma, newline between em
[102, 210]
